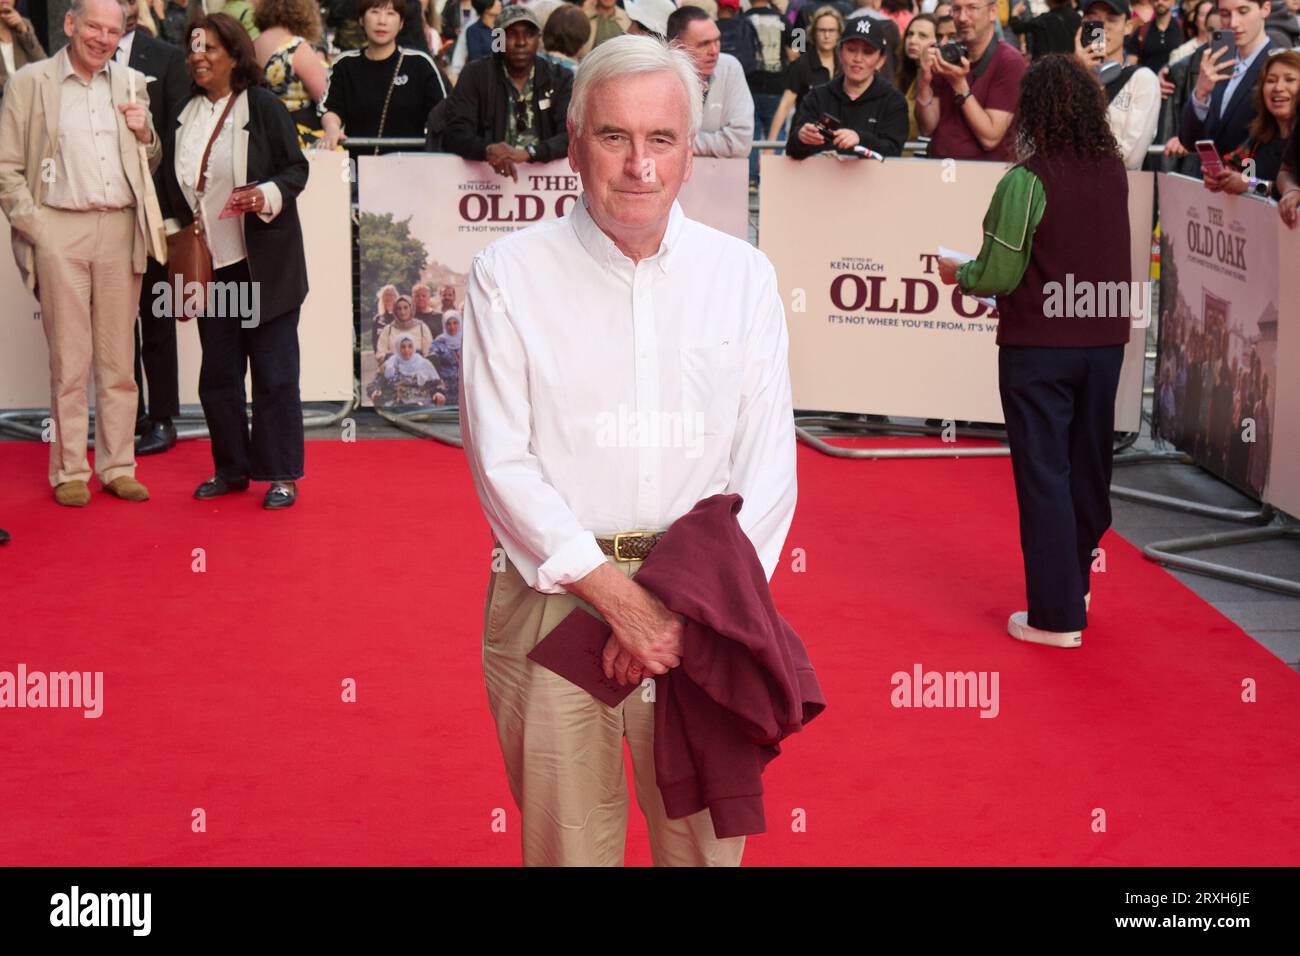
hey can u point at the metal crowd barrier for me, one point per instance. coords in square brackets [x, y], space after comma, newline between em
[413, 143]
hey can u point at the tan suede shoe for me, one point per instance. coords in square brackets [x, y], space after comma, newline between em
[127, 488]
[74, 494]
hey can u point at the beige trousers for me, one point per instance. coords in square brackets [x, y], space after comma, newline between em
[89, 296]
[564, 749]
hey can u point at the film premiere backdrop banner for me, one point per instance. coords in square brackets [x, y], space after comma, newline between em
[324, 329]
[872, 329]
[1228, 374]
[419, 243]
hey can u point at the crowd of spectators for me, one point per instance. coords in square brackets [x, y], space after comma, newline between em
[490, 79]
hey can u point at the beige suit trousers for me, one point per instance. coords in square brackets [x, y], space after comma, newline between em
[564, 749]
[89, 296]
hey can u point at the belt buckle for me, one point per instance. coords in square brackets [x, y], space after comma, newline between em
[618, 538]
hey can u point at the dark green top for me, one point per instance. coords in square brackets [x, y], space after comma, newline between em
[1013, 215]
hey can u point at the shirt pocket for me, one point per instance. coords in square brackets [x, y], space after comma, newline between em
[711, 380]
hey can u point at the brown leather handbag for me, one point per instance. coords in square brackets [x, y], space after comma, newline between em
[188, 257]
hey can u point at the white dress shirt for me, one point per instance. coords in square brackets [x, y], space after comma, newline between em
[224, 237]
[123, 54]
[727, 127]
[600, 395]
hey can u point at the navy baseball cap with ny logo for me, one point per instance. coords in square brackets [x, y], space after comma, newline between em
[861, 28]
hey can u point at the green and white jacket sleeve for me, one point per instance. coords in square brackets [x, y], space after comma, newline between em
[1013, 215]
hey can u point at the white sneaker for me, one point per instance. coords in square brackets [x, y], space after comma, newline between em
[1018, 627]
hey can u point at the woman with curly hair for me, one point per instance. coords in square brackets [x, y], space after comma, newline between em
[294, 71]
[1056, 254]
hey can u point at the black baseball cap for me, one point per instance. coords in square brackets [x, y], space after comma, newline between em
[862, 28]
[1121, 7]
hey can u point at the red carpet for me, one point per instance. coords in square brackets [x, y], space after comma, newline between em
[222, 689]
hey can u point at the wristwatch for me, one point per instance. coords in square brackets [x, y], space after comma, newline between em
[532, 153]
[961, 98]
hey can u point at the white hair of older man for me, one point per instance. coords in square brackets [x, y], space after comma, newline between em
[78, 8]
[628, 55]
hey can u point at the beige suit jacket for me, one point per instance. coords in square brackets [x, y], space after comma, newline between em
[29, 137]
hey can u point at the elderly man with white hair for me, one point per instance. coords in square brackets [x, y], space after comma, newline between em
[622, 310]
[74, 189]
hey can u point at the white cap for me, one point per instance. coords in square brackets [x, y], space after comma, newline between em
[651, 14]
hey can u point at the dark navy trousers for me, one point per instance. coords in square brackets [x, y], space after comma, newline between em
[1059, 405]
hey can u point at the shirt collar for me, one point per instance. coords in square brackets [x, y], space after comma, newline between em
[601, 248]
[532, 72]
[66, 70]
[1245, 64]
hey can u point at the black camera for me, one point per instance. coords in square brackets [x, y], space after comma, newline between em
[954, 51]
[827, 126]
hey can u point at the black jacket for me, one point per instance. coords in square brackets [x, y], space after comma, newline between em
[1229, 130]
[878, 116]
[475, 115]
[275, 253]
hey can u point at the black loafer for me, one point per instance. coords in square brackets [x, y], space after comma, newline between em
[216, 487]
[279, 496]
[157, 438]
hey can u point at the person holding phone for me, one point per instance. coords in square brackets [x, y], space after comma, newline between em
[1220, 107]
[1132, 91]
[1058, 366]
[1178, 79]
[1253, 167]
[869, 113]
[247, 206]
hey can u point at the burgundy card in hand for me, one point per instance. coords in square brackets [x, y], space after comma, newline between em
[573, 650]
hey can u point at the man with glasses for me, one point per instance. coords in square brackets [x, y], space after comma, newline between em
[966, 108]
[72, 186]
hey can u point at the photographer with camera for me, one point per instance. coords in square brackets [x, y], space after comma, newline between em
[853, 109]
[967, 91]
[1132, 91]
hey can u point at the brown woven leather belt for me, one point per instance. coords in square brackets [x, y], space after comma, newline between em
[630, 545]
